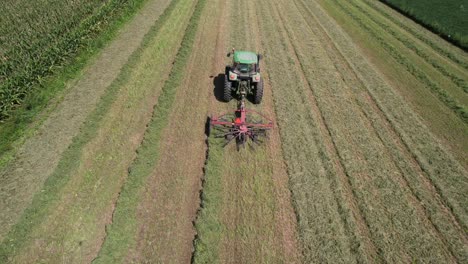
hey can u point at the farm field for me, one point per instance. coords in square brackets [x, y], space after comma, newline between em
[446, 18]
[366, 163]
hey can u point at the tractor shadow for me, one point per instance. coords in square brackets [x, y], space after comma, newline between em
[218, 89]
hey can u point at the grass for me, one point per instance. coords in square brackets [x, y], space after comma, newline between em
[390, 211]
[34, 109]
[430, 188]
[448, 19]
[370, 182]
[237, 215]
[435, 87]
[438, 44]
[369, 168]
[61, 29]
[317, 204]
[425, 54]
[121, 233]
[238, 218]
[433, 158]
[51, 192]
[437, 117]
[208, 224]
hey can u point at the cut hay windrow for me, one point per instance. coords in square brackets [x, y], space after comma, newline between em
[314, 189]
[138, 82]
[439, 45]
[367, 164]
[445, 18]
[412, 175]
[241, 214]
[433, 86]
[441, 66]
[121, 233]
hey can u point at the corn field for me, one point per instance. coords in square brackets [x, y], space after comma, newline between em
[37, 37]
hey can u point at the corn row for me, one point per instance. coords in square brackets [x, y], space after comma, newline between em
[37, 37]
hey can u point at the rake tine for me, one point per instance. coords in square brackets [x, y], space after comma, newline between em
[243, 126]
[220, 128]
[228, 141]
[257, 141]
[251, 146]
[229, 133]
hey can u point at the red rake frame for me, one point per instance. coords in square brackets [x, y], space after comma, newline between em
[241, 126]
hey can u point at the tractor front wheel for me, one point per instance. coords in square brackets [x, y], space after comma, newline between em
[227, 96]
[258, 93]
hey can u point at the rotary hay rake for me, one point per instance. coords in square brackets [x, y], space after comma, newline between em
[241, 126]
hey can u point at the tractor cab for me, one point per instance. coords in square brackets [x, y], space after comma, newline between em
[244, 68]
[243, 78]
[245, 63]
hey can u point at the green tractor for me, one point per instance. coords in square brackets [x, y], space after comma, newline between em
[242, 78]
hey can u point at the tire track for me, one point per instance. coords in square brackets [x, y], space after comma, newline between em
[403, 152]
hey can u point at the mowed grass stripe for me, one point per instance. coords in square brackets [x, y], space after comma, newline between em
[248, 210]
[364, 156]
[433, 86]
[208, 224]
[121, 233]
[440, 216]
[28, 118]
[323, 231]
[449, 78]
[459, 78]
[354, 218]
[238, 220]
[71, 160]
[444, 48]
[38, 155]
[285, 217]
[170, 199]
[447, 176]
[440, 120]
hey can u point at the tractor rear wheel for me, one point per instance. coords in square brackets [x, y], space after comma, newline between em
[258, 93]
[227, 96]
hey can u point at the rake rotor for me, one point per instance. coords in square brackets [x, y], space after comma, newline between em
[241, 126]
